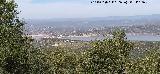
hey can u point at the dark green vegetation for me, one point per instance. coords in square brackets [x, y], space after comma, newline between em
[110, 56]
[17, 56]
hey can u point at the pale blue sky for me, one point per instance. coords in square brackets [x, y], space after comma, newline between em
[48, 1]
[45, 9]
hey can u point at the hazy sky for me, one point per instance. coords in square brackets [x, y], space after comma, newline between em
[45, 9]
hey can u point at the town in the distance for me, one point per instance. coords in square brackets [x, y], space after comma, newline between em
[87, 29]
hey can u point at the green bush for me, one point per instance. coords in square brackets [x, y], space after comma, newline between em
[109, 56]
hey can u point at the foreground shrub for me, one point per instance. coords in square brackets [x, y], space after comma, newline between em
[109, 56]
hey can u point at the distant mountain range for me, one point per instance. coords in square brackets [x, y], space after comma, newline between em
[85, 23]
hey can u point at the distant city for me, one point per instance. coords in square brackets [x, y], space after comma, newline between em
[93, 27]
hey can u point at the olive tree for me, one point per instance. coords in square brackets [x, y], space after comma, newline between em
[109, 56]
[14, 44]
